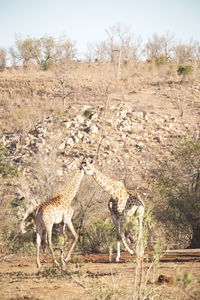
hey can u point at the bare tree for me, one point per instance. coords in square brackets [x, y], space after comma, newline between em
[41, 184]
[159, 45]
[120, 38]
[26, 51]
[63, 88]
[65, 49]
[44, 51]
[197, 51]
[3, 59]
[56, 51]
[185, 53]
[90, 54]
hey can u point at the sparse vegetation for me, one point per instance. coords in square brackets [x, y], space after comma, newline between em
[185, 70]
[179, 190]
[161, 60]
[44, 52]
[3, 59]
[6, 169]
[14, 242]
[88, 113]
[98, 237]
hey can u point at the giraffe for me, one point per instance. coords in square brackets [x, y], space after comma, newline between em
[123, 204]
[57, 211]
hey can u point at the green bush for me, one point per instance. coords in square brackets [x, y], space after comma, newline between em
[47, 64]
[184, 70]
[13, 242]
[6, 169]
[88, 113]
[98, 237]
[161, 60]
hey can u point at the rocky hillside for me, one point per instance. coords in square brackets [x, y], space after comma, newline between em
[129, 133]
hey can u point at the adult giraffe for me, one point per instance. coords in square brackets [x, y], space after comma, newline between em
[123, 204]
[55, 211]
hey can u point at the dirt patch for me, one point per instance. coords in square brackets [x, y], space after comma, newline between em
[169, 256]
[95, 277]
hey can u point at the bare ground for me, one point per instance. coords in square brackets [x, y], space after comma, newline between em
[95, 277]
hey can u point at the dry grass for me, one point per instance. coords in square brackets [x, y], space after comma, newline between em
[27, 96]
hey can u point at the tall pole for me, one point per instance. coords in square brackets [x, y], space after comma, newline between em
[119, 61]
[119, 64]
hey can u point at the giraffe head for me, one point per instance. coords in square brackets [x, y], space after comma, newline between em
[87, 166]
[77, 163]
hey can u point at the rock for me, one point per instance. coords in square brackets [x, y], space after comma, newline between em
[94, 117]
[125, 126]
[165, 279]
[94, 129]
[146, 117]
[88, 123]
[87, 129]
[139, 145]
[79, 135]
[85, 107]
[67, 124]
[59, 172]
[138, 115]
[76, 139]
[109, 122]
[62, 146]
[70, 142]
[157, 139]
[80, 119]
[123, 113]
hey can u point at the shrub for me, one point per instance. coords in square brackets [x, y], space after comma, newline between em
[6, 169]
[177, 185]
[161, 60]
[98, 237]
[13, 242]
[88, 113]
[46, 64]
[184, 70]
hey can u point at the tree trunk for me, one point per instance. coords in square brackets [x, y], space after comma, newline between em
[195, 241]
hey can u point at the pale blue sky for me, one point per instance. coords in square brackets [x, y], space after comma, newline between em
[86, 20]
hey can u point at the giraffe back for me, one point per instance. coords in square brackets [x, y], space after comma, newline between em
[54, 211]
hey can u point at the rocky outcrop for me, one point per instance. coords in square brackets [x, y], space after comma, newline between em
[122, 137]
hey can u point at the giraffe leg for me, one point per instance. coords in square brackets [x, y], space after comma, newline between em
[122, 221]
[49, 232]
[126, 245]
[118, 251]
[62, 231]
[75, 236]
[118, 236]
[38, 243]
[129, 214]
[140, 246]
[44, 241]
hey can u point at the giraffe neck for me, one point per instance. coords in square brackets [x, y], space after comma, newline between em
[68, 194]
[113, 187]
